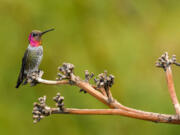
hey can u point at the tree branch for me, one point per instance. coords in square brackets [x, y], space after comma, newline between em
[41, 110]
[102, 93]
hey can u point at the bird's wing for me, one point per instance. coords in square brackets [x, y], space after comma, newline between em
[22, 75]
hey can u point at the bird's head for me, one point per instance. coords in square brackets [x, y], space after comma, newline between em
[35, 37]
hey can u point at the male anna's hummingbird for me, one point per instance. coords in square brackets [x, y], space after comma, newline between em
[32, 56]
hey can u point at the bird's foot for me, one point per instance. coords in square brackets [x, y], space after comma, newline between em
[33, 76]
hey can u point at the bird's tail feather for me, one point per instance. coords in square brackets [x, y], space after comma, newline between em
[20, 80]
[18, 83]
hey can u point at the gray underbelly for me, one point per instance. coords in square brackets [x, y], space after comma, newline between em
[33, 61]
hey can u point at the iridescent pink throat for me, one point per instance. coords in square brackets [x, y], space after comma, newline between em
[33, 42]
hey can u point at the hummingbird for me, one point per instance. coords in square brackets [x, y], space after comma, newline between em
[32, 56]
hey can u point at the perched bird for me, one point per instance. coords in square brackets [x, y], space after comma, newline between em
[32, 56]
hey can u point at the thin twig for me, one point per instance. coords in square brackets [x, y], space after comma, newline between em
[49, 82]
[165, 63]
[102, 90]
[154, 117]
[171, 89]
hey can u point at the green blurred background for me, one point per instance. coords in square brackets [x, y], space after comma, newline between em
[124, 37]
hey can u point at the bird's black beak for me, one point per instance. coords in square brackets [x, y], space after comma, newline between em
[42, 33]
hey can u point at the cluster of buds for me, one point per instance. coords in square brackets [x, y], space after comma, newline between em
[32, 77]
[67, 70]
[40, 110]
[104, 81]
[164, 61]
[59, 101]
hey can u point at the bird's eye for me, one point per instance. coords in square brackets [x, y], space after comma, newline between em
[34, 34]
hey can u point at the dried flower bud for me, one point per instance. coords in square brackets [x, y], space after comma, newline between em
[59, 101]
[164, 61]
[88, 76]
[66, 71]
[105, 81]
[40, 110]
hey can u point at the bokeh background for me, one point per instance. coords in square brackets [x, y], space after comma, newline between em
[124, 37]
